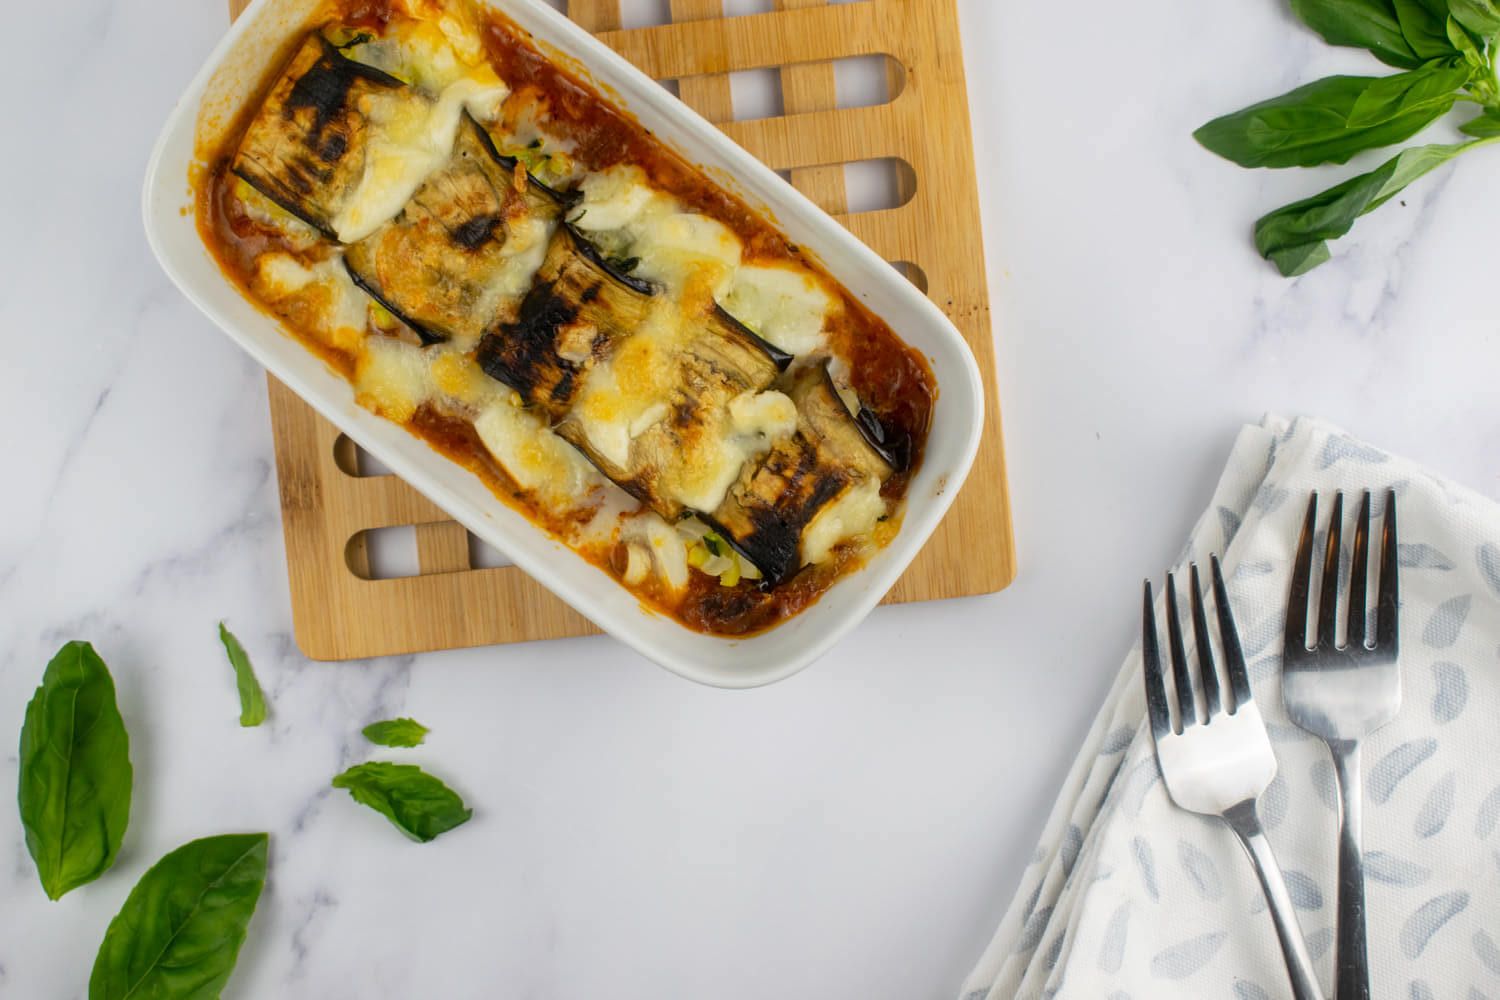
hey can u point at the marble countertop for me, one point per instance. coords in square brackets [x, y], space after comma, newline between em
[855, 831]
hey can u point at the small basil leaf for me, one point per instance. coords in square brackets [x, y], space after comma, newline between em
[1425, 31]
[1330, 120]
[419, 805]
[252, 701]
[1293, 238]
[180, 930]
[1361, 24]
[1480, 16]
[396, 733]
[1485, 126]
[75, 782]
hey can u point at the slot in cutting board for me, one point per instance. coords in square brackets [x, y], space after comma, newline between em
[329, 510]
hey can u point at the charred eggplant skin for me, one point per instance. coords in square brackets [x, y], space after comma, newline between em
[427, 336]
[298, 151]
[780, 358]
[774, 501]
[575, 288]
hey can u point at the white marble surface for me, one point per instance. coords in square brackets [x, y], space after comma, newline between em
[853, 832]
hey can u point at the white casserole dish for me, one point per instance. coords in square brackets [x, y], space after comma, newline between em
[253, 47]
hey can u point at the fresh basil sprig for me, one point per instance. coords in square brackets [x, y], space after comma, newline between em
[415, 802]
[179, 933]
[75, 782]
[1447, 51]
[252, 700]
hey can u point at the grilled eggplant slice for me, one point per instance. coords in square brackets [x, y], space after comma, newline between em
[774, 500]
[305, 148]
[576, 310]
[660, 420]
[435, 266]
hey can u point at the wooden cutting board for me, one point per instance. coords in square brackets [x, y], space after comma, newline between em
[933, 237]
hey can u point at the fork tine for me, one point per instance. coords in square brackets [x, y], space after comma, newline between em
[1156, 689]
[1229, 637]
[1208, 673]
[1296, 604]
[1359, 576]
[1389, 602]
[1329, 598]
[1187, 707]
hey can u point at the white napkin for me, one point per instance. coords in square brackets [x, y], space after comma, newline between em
[1129, 897]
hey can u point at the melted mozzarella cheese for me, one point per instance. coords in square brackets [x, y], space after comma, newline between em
[612, 199]
[537, 459]
[667, 549]
[854, 514]
[393, 378]
[692, 255]
[410, 138]
[783, 305]
[341, 308]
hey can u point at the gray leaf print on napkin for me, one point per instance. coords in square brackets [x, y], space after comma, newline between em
[1474, 994]
[1451, 691]
[1428, 920]
[1031, 933]
[1049, 961]
[1147, 864]
[1119, 995]
[1268, 498]
[1274, 802]
[1488, 951]
[1200, 871]
[1434, 811]
[1421, 556]
[1420, 991]
[1340, 448]
[1116, 741]
[1390, 769]
[1489, 812]
[1391, 870]
[1112, 951]
[1246, 990]
[1304, 891]
[1323, 782]
[1229, 523]
[1489, 565]
[1319, 941]
[1182, 960]
[1447, 621]
[1071, 846]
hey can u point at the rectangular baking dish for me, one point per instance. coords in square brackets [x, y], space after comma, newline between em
[253, 48]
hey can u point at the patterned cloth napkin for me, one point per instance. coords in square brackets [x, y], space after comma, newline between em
[1129, 897]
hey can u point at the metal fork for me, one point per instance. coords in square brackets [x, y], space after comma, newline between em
[1219, 762]
[1344, 693]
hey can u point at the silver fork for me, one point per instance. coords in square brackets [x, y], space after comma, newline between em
[1218, 763]
[1344, 693]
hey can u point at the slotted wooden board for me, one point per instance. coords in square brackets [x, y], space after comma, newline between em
[934, 237]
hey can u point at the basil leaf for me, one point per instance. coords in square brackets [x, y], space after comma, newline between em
[1330, 120]
[75, 781]
[1480, 16]
[1293, 238]
[180, 930]
[1485, 126]
[419, 805]
[252, 701]
[1425, 30]
[1361, 24]
[397, 733]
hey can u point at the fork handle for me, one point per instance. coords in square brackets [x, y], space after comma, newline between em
[1352, 979]
[1244, 821]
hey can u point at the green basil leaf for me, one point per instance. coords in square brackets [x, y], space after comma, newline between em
[180, 930]
[419, 805]
[75, 781]
[1425, 31]
[1330, 120]
[252, 701]
[1485, 126]
[1294, 237]
[1480, 16]
[397, 733]
[1361, 24]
